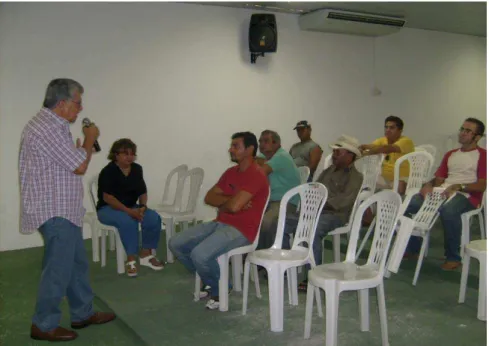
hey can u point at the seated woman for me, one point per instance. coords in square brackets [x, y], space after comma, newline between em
[120, 186]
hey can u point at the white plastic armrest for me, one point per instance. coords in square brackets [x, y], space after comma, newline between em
[471, 213]
[340, 230]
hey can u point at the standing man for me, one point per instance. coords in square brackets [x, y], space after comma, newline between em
[463, 172]
[306, 152]
[283, 175]
[394, 145]
[51, 169]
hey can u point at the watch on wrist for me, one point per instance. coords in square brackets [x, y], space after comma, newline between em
[462, 187]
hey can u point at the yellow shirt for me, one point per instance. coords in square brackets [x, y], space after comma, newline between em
[407, 146]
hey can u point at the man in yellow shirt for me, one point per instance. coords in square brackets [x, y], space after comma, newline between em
[393, 145]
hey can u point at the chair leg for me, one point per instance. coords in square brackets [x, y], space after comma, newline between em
[197, 288]
[309, 307]
[481, 301]
[420, 259]
[223, 261]
[332, 302]
[482, 225]
[257, 281]
[276, 298]
[237, 263]
[103, 249]
[465, 234]
[246, 279]
[382, 314]
[463, 278]
[112, 241]
[336, 248]
[363, 307]
[293, 285]
[169, 233]
[120, 253]
[95, 241]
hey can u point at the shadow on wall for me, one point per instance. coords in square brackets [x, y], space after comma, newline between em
[263, 64]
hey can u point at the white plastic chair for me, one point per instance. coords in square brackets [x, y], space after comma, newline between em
[106, 230]
[170, 200]
[236, 256]
[427, 147]
[90, 218]
[185, 212]
[304, 172]
[276, 260]
[466, 224]
[335, 278]
[324, 163]
[420, 225]
[371, 168]
[476, 249]
[420, 165]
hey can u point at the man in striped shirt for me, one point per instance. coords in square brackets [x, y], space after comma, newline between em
[51, 169]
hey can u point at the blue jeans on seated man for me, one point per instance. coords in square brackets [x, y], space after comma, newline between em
[129, 228]
[199, 247]
[64, 273]
[327, 223]
[450, 216]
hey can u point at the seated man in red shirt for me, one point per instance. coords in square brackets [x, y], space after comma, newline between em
[240, 196]
[462, 171]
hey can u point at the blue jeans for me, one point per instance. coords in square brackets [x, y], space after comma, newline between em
[199, 247]
[129, 228]
[326, 223]
[64, 273]
[450, 216]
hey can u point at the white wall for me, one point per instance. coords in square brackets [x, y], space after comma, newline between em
[176, 78]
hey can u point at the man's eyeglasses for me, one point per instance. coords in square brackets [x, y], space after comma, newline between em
[464, 130]
[78, 103]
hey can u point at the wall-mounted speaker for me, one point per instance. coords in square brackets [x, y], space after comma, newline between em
[263, 33]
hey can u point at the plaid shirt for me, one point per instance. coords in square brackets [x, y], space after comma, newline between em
[48, 186]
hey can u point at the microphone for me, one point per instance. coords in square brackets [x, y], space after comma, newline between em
[87, 123]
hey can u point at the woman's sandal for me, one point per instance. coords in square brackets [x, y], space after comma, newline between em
[131, 269]
[146, 261]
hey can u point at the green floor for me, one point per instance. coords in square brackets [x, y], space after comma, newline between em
[157, 308]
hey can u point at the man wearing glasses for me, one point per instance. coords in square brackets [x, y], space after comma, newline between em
[462, 171]
[394, 145]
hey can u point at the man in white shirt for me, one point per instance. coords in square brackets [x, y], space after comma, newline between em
[462, 171]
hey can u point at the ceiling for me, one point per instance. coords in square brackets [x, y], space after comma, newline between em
[467, 18]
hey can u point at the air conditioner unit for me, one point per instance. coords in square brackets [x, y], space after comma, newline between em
[350, 23]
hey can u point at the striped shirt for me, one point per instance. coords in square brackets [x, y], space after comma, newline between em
[48, 186]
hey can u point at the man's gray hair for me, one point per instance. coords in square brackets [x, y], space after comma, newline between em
[60, 89]
[275, 136]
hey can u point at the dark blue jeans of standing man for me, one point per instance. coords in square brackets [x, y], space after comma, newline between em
[326, 224]
[450, 216]
[64, 273]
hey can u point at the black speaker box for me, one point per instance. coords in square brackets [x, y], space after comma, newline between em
[263, 33]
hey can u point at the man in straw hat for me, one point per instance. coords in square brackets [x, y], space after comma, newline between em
[343, 182]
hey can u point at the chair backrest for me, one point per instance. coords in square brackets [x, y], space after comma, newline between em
[420, 165]
[372, 166]
[428, 213]
[304, 172]
[427, 147]
[313, 196]
[93, 190]
[388, 204]
[324, 163]
[196, 177]
[179, 172]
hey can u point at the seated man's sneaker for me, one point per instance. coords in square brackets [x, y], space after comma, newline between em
[205, 292]
[212, 304]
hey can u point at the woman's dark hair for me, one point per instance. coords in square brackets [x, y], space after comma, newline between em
[249, 139]
[121, 145]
